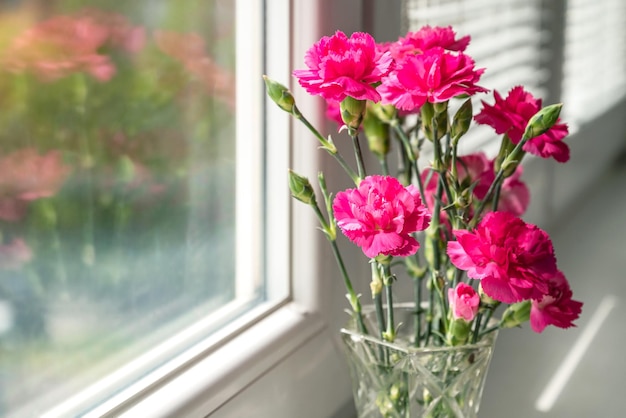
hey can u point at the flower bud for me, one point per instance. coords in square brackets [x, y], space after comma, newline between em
[506, 147]
[434, 121]
[376, 285]
[279, 94]
[301, 188]
[352, 113]
[459, 332]
[484, 298]
[385, 113]
[543, 120]
[462, 120]
[377, 134]
[516, 314]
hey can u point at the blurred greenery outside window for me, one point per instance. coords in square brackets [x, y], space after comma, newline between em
[117, 185]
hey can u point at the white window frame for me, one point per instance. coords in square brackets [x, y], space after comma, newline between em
[274, 343]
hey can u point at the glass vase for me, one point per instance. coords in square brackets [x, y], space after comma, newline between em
[399, 380]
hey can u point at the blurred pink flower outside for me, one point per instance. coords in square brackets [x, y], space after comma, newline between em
[189, 49]
[67, 44]
[27, 176]
[14, 254]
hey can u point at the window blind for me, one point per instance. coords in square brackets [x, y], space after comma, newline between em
[594, 69]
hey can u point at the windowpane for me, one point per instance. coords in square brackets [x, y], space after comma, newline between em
[118, 185]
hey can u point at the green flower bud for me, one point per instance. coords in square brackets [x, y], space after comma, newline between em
[377, 134]
[352, 113]
[376, 285]
[462, 120]
[516, 314]
[434, 119]
[543, 120]
[459, 332]
[385, 113]
[301, 188]
[506, 148]
[280, 95]
[484, 298]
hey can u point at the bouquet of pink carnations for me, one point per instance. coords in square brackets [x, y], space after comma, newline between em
[463, 211]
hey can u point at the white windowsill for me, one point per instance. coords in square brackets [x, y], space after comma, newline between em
[209, 381]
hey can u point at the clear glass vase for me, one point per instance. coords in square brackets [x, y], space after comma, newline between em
[398, 380]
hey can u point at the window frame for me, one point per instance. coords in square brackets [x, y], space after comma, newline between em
[263, 345]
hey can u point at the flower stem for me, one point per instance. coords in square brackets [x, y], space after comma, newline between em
[388, 281]
[329, 147]
[417, 293]
[411, 155]
[358, 155]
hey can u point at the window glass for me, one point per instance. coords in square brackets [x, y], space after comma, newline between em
[117, 186]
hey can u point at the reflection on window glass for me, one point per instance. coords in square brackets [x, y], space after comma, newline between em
[117, 170]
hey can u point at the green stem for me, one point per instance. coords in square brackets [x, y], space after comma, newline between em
[352, 296]
[417, 293]
[358, 155]
[498, 179]
[391, 327]
[496, 197]
[380, 319]
[488, 330]
[412, 158]
[477, 324]
[329, 147]
[383, 166]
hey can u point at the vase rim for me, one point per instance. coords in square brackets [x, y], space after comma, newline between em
[487, 341]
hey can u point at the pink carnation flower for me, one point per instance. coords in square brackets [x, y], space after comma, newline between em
[512, 259]
[476, 169]
[464, 302]
[339, 66]
[426, 38]
[380, 216]
[514, 194]
[511, 115]
[556, 307]
[434, 76]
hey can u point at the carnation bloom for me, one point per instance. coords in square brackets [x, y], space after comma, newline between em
[339, 66]
[478, 171]
[434, 76]
[380, 215]
[512, 259]
[464, 302]
[426, 38]
[511, 115]
[556, 307]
